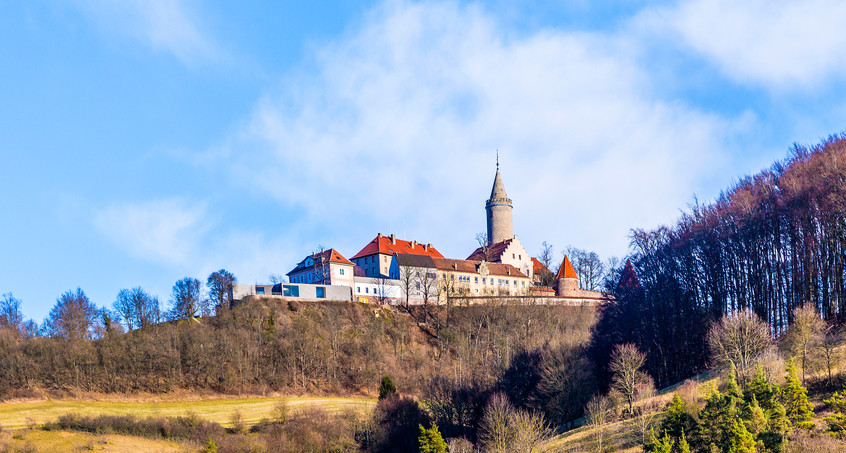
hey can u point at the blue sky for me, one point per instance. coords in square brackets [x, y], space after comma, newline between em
[145, 141]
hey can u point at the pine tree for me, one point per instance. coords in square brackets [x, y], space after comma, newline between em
[761, 389]
[431, 440]
[732, 389]
[684, 447]
[678, 420]
[740, 440]
[755, 418]
[387, 388]
[799, 410]
[711, 420]
[837, 420]
[662, 445]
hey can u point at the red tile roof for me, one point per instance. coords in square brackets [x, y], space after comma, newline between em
[330, 255]
[628, 278]
[494, 252]
[566, 270]
[390, 245]
[538, 267]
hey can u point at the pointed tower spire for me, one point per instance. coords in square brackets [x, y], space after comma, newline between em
[566, 281]
[499, 208]
[628, 278]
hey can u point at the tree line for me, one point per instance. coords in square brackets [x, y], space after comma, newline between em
[771, 243]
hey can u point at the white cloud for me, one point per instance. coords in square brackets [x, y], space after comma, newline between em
[162, 231]
[165, 25]
[780, 44]
[394, 128]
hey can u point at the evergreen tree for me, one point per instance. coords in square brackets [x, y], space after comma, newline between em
[431, 440]
[684, 447]
[740, 440]
[755, 418]
[678, 420]
[732, 389]
[716, 420]
[387, 388]
[798, 409]
[760, 389]
[656, 445]
[837, 420]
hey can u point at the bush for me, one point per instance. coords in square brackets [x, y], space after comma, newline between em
[184, 428]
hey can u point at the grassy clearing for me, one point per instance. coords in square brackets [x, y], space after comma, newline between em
[64, 441]
[22, 414]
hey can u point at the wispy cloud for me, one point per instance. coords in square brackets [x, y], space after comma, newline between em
[166, 231]
[778, 44]
[170, 26]
[396, 127]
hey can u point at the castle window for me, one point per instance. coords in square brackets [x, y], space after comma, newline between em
[342, 271]
[367, 290]
[513, 256]
[519, 257]
[358, 289]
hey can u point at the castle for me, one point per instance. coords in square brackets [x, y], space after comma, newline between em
[388, 270]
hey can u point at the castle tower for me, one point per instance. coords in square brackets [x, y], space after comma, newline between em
[499, 208]
[567, 281]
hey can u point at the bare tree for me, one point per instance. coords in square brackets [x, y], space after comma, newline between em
[10, 313]
[277, 278]
[482, 239]
[186, 298]
[72, 317]
[828, 347]
[496, 430]
[588, 267]
[647, 412]
[546, 255]
[220, 285]
[408, 282]
[804, 337]
[530, 431]
[137, 308]
[626, 362]
[739, 338]
[320, 266]
[383, 289]
[598, 411]
[427, 278]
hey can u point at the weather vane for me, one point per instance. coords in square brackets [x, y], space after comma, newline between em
[497, 159]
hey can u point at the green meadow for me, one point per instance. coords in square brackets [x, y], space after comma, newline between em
[22, 414]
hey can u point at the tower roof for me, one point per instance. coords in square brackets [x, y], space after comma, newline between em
[566, 270]
[498, 190]
[628, 278]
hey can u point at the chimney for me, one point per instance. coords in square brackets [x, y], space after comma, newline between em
[413, 243]
[426, 247]
[393, 239]
[455, 266]
[378, 235]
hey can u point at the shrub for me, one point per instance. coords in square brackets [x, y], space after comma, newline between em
[186, 428]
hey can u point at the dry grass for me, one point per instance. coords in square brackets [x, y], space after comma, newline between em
[23, 414]
[65, 441]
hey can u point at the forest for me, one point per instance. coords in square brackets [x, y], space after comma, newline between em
[773, 242]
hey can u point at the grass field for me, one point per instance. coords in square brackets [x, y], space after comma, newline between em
[64, 441]
[22, 414]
